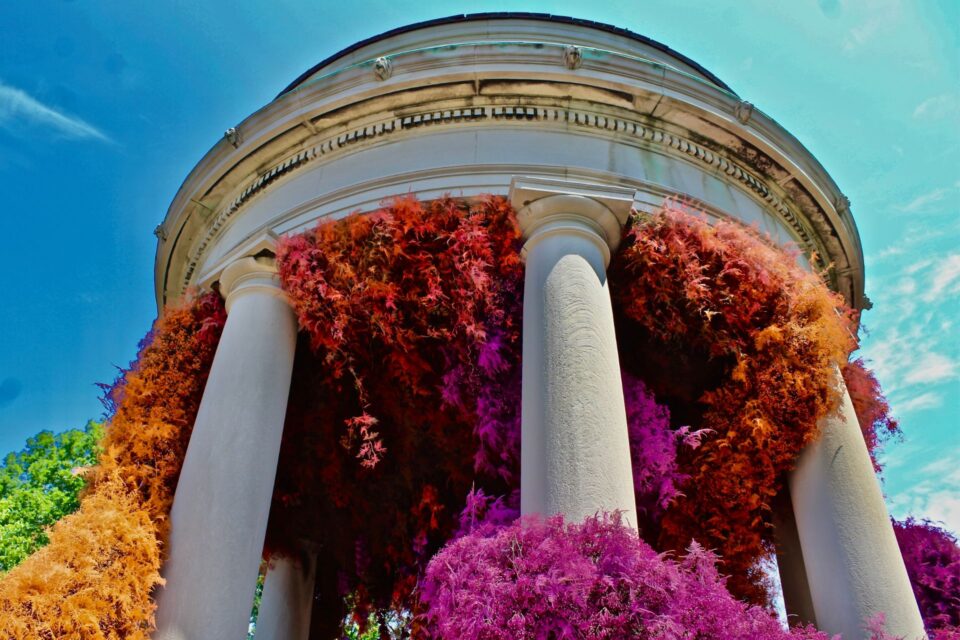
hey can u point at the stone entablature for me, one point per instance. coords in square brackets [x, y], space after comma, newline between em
[453, 111]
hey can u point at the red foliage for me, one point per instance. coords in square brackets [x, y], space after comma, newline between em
[413, 317]
[777, 333]
[873, 411]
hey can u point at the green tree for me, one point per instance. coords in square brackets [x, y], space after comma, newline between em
[41, 484]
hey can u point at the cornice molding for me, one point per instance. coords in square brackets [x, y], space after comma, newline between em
[643, 102]
[645, 134]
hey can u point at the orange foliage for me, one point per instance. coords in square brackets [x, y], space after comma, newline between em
[157, 400]
[778, 333]
[94, 579]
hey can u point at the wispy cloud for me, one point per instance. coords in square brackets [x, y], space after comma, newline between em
[928, 400]
[938, 107]
[924, 200]
[17, 108]
[937, 496]
[931, 367]
[862, 33]
[946, 278]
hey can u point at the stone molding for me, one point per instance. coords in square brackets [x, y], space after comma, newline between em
[550, 207]
[645, 98]
[642, 133]
[250, 275]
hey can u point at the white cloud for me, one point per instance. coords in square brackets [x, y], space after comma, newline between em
[862, 33]
[17, 107]
[919, 265]
[946, 278]
[928, 400]
[936, 498]
[924, 200]
[931, 367]
[938, 107]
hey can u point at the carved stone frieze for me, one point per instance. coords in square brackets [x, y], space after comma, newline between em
[642, 133]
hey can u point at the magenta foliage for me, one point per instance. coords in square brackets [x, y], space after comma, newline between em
[932, 557]
[497, 423]
[543, 579]
[653, 449]
[483, 511]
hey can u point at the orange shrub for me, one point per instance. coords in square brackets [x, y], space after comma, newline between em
[774, 334]
[94, 579]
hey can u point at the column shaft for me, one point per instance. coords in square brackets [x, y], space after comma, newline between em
[793, 573]
[287, 600]
[219, 515]
[575, 454]
[853, 564]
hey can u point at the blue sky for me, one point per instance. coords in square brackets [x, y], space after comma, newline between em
[105, 106]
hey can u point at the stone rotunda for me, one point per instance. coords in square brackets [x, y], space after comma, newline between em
[577, 123]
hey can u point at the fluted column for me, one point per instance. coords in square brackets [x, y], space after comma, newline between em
[219, 515]
[575, 455]
[853, 564]
[287, 600]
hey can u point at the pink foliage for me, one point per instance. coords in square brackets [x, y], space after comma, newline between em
[932, 557]
[653, 450]
[542, 580]
[483, 511]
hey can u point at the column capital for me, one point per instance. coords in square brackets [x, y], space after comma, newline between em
[248, 275]
[548, 207]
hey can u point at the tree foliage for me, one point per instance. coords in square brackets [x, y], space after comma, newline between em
[406, 391]
[94, 580]
[41, 484]
[932, 557]
[722, 296]
[542, 580]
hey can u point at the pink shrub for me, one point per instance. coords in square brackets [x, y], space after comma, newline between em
[543, 579]
[933, 564]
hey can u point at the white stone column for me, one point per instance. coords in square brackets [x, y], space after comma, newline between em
[287, 600]
[575, 454]
[790, 565]
[219, 515]
[853, 564]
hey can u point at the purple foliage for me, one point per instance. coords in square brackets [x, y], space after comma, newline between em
[932, 557]
[498, 430]
[543, 579]
[483, 511]
[653, 449]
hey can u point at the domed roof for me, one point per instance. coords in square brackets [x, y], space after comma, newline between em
[344, 56]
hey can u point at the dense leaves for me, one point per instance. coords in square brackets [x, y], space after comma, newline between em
[94, 579]
[721, 293]
[540, 580]
[408, 394]
[40, 485]
[932, 557]
[402, 434]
